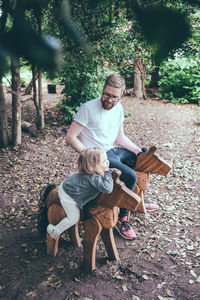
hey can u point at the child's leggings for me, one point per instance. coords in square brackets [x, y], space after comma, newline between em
[72, 211]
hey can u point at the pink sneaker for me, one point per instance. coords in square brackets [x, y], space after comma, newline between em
[151, 206]
[124, 229]
[52, 232]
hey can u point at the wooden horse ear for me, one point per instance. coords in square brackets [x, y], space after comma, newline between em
[152, 149]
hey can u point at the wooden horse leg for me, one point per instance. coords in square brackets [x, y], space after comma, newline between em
[52, 245]
[92, 229]
[109, 242]
[141, 207]
[74, 235]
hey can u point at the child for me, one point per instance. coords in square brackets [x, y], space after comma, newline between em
[93, 177]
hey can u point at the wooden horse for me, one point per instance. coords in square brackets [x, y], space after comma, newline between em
[103, 217]
[104, 210]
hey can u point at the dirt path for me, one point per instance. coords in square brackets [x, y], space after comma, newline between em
[162, 263]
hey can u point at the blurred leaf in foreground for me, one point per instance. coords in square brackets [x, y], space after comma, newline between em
[164, 28]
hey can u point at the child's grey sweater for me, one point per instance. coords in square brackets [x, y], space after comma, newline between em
[86, 187]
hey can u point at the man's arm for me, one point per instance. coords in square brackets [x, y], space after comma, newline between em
[125, 142]
[72, 136]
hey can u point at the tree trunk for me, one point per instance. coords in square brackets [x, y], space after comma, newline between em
[30, 85]
[35, 100]
[154, 77]
[139, 79]
[39, 106]
[40, 116]
[4, 137]
[16, 102]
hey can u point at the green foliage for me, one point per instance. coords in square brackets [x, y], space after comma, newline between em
[113, 39]
[23, 83]
[116, 41]
[83, 80]
[84, 76]
[127, 114]
[180, 81]
[191, 48]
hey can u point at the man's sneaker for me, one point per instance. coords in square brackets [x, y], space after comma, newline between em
[52, 231]
[124, 229]
[151, 206]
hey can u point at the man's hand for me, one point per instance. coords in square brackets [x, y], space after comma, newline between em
[143, 150]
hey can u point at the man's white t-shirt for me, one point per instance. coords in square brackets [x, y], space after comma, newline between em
[101, 126]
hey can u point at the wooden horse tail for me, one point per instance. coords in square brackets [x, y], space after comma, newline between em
[43, 209]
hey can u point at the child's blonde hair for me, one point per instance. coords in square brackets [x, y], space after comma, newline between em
[89, 161]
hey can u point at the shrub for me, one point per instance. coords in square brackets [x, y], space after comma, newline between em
[180, 81]
[83, 79]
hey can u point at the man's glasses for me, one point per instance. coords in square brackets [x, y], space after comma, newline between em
[108, 96]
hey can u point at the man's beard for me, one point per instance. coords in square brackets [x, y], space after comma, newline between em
[106, 105]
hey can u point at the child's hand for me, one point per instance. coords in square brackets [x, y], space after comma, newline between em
[114, 169]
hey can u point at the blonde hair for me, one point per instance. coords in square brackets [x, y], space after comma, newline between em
[89, 161]
[115, 80]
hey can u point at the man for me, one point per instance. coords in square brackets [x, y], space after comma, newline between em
[99, 122]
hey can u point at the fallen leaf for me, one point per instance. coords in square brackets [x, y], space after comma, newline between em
[160, 285]
[135, 297]
[171, 252]
[124, 288]
[191, 281]
[73, 265]
[165, 298]
[169, 293]
[76, 279]
[192, 272]
[170, 145]
[31, 294]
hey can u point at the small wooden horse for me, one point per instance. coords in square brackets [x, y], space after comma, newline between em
[103, 217]
[104, 210]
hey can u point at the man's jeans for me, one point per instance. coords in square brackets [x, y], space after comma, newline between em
[124, 160]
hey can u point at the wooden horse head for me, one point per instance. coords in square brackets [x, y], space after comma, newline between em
[149, 162]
